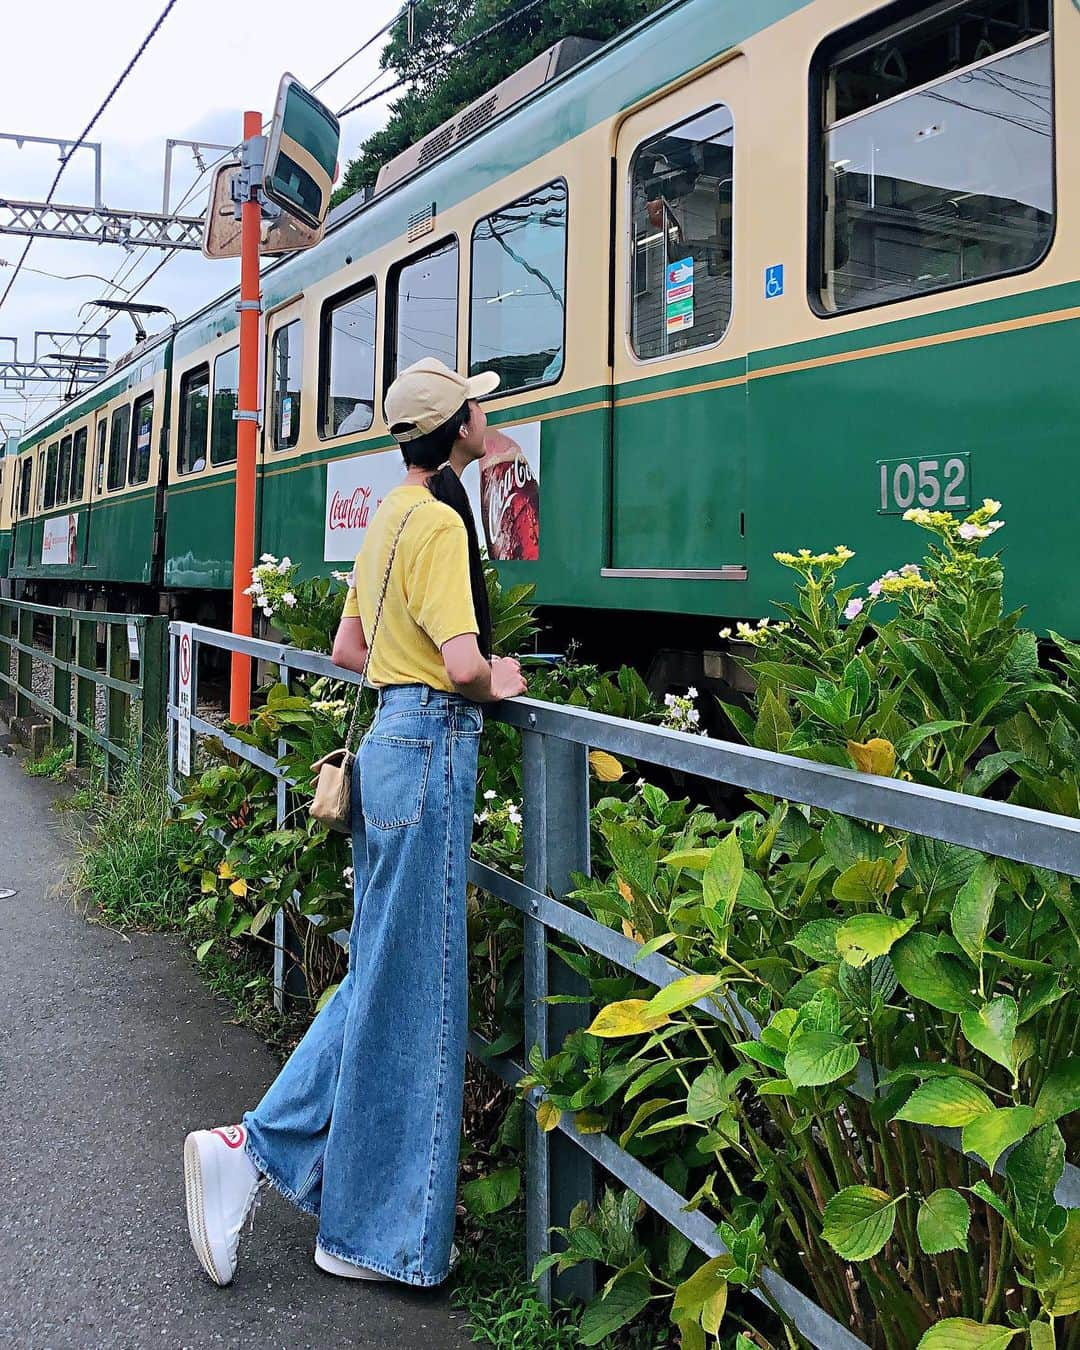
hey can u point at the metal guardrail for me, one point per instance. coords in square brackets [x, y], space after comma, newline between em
[555, 745]
[133, 677]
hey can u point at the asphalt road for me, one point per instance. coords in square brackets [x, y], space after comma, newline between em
[111, 1049]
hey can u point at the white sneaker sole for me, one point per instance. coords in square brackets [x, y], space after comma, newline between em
[195, 1193]
[347, 1270]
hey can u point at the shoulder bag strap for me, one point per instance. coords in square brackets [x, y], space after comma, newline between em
[375, 625]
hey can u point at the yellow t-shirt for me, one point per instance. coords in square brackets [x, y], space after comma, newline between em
[428, 597]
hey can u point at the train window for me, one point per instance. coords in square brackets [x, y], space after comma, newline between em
[49, 497]
[425, 305]
[286, 374]
[681, 244]
[78, 465]
[194, 409]
[24, 490]
[141, 435]
[99, 472]
[347, 388]
[517, 309]
[936, 165]
[225, 402]
[63, 472]
[118, 444]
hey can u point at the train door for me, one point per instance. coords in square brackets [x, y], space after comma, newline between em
[22, 544]
[679, 413]
[98, 445]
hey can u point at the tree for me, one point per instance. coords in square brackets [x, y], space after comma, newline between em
[439, 87]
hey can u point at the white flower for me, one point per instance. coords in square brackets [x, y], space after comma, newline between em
[694, 716]
[970, 532]
[853, 608]
[268, 558]
[725, 632]
[268, 611]
[489, 795]
[289, 599]
[640, 782]
[347, 876]
[515, 815]
[874, 588]
[691, 692]
[670, 700]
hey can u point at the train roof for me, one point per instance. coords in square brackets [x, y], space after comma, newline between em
[600, 86]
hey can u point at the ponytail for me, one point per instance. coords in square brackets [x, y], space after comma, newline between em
[431, 451]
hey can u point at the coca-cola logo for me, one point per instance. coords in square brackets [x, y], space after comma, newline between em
[350, 512]
[505, 481]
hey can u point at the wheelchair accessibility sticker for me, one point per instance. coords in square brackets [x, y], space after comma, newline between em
[774, 281]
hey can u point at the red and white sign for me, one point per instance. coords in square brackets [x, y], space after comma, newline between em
[184, 657]
[354, 489]
[59, 541]
[504, 489]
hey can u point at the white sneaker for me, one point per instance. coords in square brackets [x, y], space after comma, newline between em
[348, 1270]
[221, 1183]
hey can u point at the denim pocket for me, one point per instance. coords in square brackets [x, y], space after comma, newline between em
[393, 779]
[467, 721]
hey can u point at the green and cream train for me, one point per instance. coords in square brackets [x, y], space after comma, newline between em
[755, 276]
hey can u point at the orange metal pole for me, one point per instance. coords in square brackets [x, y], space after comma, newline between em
[246, 441]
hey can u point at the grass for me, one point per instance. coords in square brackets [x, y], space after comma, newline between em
[51, 764]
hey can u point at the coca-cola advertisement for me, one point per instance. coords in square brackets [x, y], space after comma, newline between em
[504, 488]
[354, 488]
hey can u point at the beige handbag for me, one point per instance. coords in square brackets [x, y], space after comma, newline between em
[332, 802]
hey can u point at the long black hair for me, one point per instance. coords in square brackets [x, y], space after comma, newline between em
[431, 451]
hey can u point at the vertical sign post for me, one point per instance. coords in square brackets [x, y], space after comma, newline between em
[184, 659]
[247, 415]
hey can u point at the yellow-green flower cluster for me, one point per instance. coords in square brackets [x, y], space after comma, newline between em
[979, 525]
[804, 558]
[757, 635]
[892, 587]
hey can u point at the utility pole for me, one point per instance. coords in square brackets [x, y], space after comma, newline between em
[247, 410]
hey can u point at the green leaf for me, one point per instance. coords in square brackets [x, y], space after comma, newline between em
[327, 994]
[867, 936]
[1060, 1093]
[606, 1314]
[762, 1054]
[991, 1029]
[943, 1222]
[972, 908]
[692, 859]
[858, 1222]
[487, 1195]
[202, 949]
[724, 872]
[928, 1068]
[938, 866]
[630, 1017]
[986, 1193]
[641, 1115]
[846, 842]
[865, 882]
[991, 1134]
[698, 1290]
[681, 994]
[1042, 1336]
[655, 944]
[817, 939]
[708, 1094]
[773, 730]
[945, 1101]
[960, 1333]
[912, 739]
[1033, 1170]
[822, 1013]
[929, 975]
[818, 1057]
[753, 895]
[1058, 1277]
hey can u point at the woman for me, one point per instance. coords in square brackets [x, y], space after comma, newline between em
[361, 1127]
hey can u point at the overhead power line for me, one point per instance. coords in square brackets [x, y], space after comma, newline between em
[454, 51]
[363, 48]
[86, 132]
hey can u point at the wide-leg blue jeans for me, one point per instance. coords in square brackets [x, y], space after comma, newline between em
[363, 1123]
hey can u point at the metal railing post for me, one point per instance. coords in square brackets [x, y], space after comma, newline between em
[117, 704]
[25, 629]
[6, 628]
[556, 821]
[289, 981]
[85, 689]
[61, 677]
[154, 636]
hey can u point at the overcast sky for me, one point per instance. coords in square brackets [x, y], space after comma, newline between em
[210, 60]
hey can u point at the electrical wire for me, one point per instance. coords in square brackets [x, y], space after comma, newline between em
[373, 38]
[66, 157]
[457, 51]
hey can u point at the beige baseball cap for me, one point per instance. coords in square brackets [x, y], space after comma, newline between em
[428, 394]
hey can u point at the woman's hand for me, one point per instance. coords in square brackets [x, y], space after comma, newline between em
[507, 680]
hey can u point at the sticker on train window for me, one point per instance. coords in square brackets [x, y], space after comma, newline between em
[939, 484]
